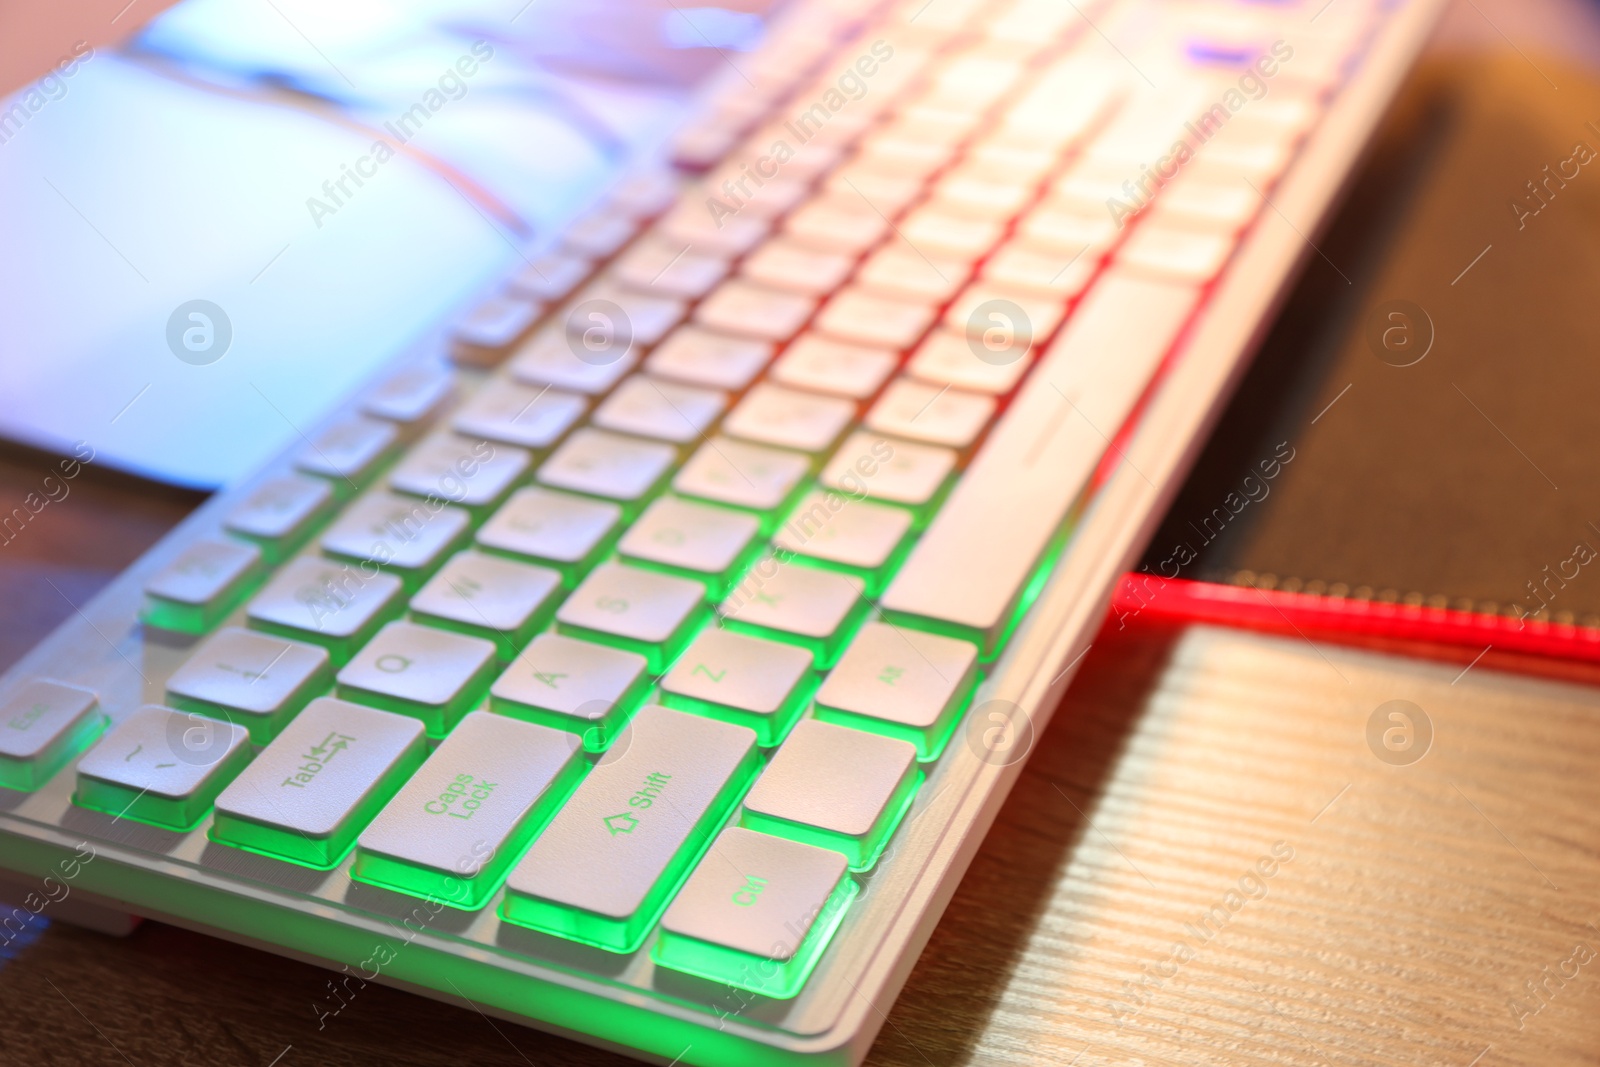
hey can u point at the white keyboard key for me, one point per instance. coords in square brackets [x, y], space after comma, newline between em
[797, 268]
[1075, 233]
[752, 310]
[599, 234]
[971, 564]
[645, 611]
[932, 414]
[767, 201]
[901, 682]
[432, 675]
[471, 473]
[406, 535]
[600, 335]
[866, 318]
[519, 414]
[933, 232]
[704, 357]
[789, 418]
[988, 312]
[760, 684]
[191, 593]
[1178, 254]
[333, 604]
[812, 607]
[601, 871]
[162, 766]
[550, 277]
[902, 472]
[839, 223]
[946, 357]
[849, 533]
[1039, 269]
[568, 532]
[466, 815]
[410, 396]
[43, 724]
[488, 330]
[645, 407]
[850, 785]
[889, 193]
[280, 512]
[550, 358]
[900, 272]
[729, 235]
[704, 540]
[744, 475]
[822, 365]
[310, 792]
[256, 680]
[1202, 204]
[656, 266]
[644, 194]
[608, 465]
[573, 685]
[767, 904]
[348, 451]
[490, 597]
[979, 197]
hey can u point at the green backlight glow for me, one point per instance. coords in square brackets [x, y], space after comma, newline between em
[170, 813]
[26, 775]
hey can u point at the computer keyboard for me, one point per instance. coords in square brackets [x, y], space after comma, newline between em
[643, 657]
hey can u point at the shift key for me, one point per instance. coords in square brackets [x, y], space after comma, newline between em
[603, 869]
[312, 790]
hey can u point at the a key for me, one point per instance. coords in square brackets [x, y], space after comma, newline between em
[837, 223]
[889, 193]
[599, 234]
[405, 536]
[280, 513]
[706, 358]
[256, 680]
[797, 268]
[491, 597]
[657, 266]
[860, 536]
[866, 318]
[938, 232]
[190, 594]
[573, 685]
[608, 465]
[667, 411]
[931, 414]
[768, 200]
[947, 357]
[1039, 269]
[901, 157]
[902, 472]
[1073, 232]
[602, 871]
[979, 197]
[593, 325]
[751, 310]
[744, 475]
[162, 767]
[43, 724]
[728, 235]
[988, 312]
[550, 277]
[568, 533]
[521, 415]
[811, 607]
[432, 675]
[472, 473]
[411, 396]
[347, 452]
[822, 365]
[1219, 206]
[452, 831]
[551, 358]
[644, 194]
[903, 683]
[1171, 253]
[743, 679]
[336, 605]
[756, 913]
[836, 788]
[487, 332]
[643, 611]
[695, 540]
[309, 793]
[788, 418]
[901, 273]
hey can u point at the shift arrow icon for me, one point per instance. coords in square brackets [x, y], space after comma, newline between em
[621, 824]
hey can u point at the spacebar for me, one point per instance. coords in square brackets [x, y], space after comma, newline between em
[970, 567]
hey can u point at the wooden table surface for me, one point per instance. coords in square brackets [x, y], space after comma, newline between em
[1205, 861]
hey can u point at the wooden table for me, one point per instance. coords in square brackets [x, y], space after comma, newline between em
[1205, 862]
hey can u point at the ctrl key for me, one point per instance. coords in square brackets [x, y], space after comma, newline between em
[312, 790]
[42, 726]
[162, 767]
[757, 913]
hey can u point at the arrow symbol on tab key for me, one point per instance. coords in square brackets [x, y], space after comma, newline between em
[621, 824]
